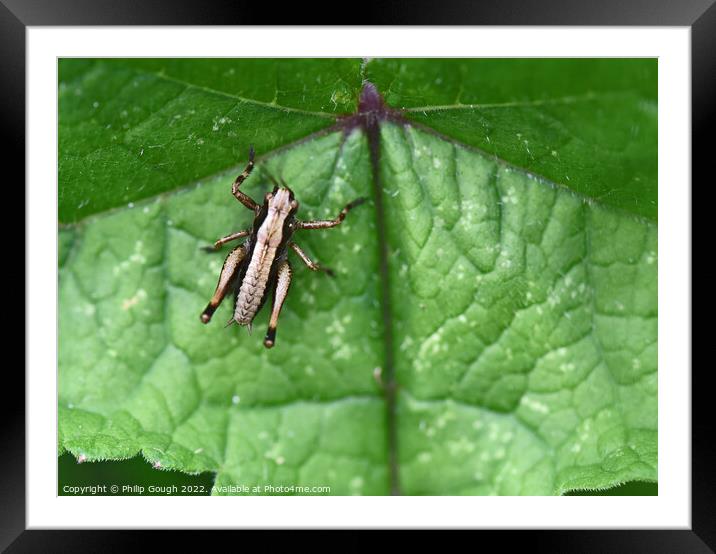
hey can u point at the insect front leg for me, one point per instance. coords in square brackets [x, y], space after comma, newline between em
[245, 199]
[313, 266]
[228, 238]
[326, 223]
[228, 275]
[283, 282]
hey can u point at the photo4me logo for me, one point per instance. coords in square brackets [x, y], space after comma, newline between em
[270, 489]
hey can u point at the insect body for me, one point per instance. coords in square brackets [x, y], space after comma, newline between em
[260, 266]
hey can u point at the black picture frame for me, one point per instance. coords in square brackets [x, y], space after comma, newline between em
[699, 15]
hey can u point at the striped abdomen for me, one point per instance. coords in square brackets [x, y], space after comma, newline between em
[254, 284]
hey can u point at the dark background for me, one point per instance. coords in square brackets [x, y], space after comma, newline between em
[137, 471]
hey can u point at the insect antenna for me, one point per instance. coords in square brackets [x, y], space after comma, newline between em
[270, 176]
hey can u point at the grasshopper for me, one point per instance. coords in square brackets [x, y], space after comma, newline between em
[260, 265]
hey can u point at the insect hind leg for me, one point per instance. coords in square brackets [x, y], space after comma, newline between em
[229, 272]
[283, 282]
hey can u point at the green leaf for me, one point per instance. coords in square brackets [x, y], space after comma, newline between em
[519, 327]
[141, 372]
[130, 129]
[588, 124]
[527, 353]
